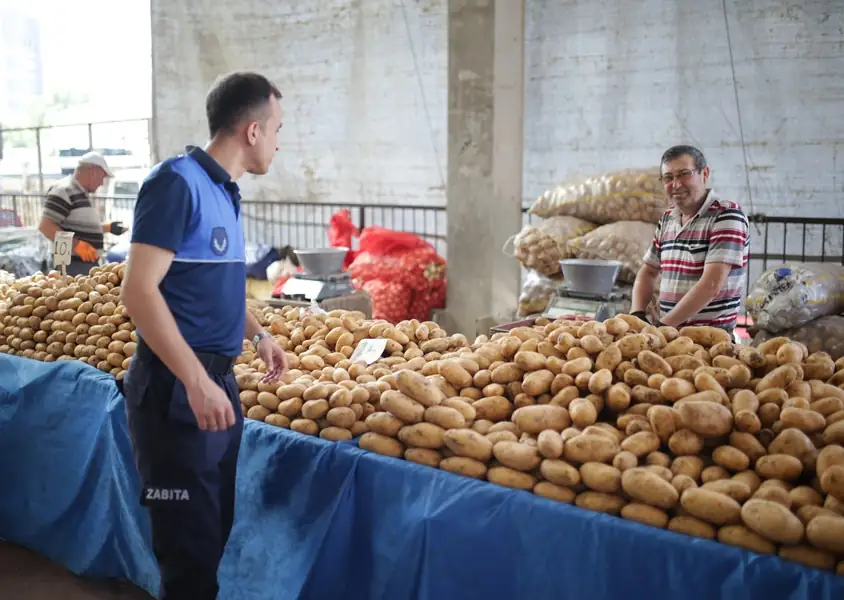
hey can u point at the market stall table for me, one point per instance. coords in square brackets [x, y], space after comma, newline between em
[320, 520]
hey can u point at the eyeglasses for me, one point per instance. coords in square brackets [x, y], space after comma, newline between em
[682, 175]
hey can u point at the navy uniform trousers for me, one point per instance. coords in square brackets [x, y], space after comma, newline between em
[187, 475]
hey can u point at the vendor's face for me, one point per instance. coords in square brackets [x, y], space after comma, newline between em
[685, 185]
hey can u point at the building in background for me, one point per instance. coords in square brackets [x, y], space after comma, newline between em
[21, 70]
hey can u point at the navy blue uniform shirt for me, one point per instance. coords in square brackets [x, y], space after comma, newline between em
[189, 205]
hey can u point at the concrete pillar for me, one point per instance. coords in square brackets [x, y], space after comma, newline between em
[485, 156]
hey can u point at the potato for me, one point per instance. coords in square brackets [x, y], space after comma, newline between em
[832, 481]
[535, 419]
[518, 456]
[422, 435]
[419, 388]
[590, 448]
[384, 423]
[468, 444]
[445, 416]
[538, 382]
[772, 521]
[462, 465]
[706, 336]
[742, 537]
[600, 477]
[643, 513]
[779, 466]
[493, 408]
[529, 361]
[731, 458]
[511, 478]
[600, 502]
[692, 527]
[549, 490]
[559, 472]
[685, 442]
[826, 533]
[550, 443]
[711, 507]
[649, 488]
[707, 419]
[402, 406]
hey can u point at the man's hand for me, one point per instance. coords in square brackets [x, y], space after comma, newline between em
[210, 405]
[85, 251]
[274, 357]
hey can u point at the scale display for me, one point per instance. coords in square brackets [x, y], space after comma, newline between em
[568, 307]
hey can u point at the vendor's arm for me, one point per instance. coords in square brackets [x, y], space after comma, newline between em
[162, 214]
[727, 245]
[645, 284]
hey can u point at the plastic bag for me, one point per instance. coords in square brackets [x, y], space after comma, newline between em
[794, 294]
[821, 335]
[542, 247]
[628, 195]
[23, 251]
[626, 241]
[341, 231]
[537, 292]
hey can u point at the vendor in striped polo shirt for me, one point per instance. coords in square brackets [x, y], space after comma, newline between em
[68, 207]
[700, 247]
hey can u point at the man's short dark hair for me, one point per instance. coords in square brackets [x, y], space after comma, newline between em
[235, 98]
[675, 152]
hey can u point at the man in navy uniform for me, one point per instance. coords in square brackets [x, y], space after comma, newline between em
[185, 289]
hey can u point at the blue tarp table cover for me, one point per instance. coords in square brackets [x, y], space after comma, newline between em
[317, 520]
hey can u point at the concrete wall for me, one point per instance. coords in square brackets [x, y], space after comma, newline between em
[364, 84]
[608, 85]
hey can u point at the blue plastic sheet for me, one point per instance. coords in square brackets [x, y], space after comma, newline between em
[317, 520]
[68, 484]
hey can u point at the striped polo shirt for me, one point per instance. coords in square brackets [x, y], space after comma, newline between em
[718, 233]
[69, 206]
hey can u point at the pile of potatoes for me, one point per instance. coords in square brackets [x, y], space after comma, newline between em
[50, 318]
[324, 393]
[682, 430]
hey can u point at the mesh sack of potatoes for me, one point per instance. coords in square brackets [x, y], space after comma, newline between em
[821, 335]
[537, 292]
[794, 294]
[542, 247]
[625, 241]
[628, 195]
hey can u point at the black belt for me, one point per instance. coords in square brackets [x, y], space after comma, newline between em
[215, 364]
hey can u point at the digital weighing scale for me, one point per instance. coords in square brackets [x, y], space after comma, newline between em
[599, 307]
[305, 287]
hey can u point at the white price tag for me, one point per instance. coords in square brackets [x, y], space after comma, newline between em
[369, 351]
[62, 248]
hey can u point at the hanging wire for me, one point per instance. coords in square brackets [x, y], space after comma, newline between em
[422, 93]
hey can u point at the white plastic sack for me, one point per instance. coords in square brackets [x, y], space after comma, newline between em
[795, 294]
[537, 292]
[626, 195]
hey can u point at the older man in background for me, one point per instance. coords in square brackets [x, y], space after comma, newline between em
[68, 207]
[700, 246]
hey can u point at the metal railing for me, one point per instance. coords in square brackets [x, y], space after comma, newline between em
[774, 240]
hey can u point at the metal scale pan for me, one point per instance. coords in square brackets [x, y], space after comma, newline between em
[589, 291]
